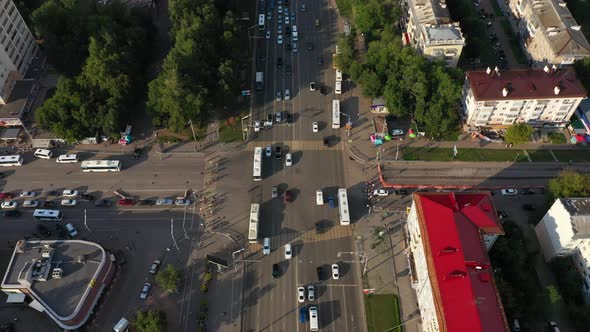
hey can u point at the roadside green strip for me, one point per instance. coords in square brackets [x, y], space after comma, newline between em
[382, 312]
[473, 154]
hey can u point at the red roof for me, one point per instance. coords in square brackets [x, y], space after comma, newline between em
[452, 226]
[525, 84]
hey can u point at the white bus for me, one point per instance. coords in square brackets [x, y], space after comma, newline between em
[101, 166]
[48, 215]
[15, 160]
[343, 207]
[335, 114]
[257, 168]
[261, 22]
[253, 227]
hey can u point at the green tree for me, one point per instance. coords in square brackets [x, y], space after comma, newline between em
[570, 183]
[168, 278]
[150, 321]
[518, 133]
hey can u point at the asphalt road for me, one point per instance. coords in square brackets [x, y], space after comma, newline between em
[271, 304]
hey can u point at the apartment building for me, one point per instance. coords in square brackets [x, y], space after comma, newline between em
[429, 29]
[449, 236]
[539, 97]
[550, 33]
[17, 48]
[565, 231]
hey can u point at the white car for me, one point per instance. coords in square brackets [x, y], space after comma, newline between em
[397, 132]
[288, 251]
[311, 86]
[256, 126]
[155, 266]
[69, 193]
[269, 16]
[335, 272]
[302, 7]
[279, 19]
[286, 19]
[311, 293]
[288, 160]
[9, 205]
[30, 204]
[509, 192]
[280, 29]
[381, 192]
[268, 151]
[266, 246]
[280, 39]
[316, 127]
[145, 291]
[164, 201]
[319, 197]
[280, 9]
[27, 194]
[287, 94]
[301, 294]
[69, 202]
[268, 35]
[182, 202]
[73, 232]
[278, 96]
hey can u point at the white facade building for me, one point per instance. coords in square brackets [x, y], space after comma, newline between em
[450, 268]
[17, 48]
[430, 30]
[565, 231]
[538, 97]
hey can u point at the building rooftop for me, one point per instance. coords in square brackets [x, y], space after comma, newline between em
[15, 105]
[564, 34]
[448, 34]
[33, 263]
[430, 12]
[525, 84]
[579, 210]
[452, 227]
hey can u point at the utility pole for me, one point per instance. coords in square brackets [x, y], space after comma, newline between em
[85, 222]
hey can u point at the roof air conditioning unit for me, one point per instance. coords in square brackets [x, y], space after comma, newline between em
[57, 273]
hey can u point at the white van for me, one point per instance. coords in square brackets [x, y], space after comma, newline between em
[288, 251]
[338, 89]
[313, 319]
[122, 325]
[67, 158]
[338, 75]
[319, 197]
[43, 153]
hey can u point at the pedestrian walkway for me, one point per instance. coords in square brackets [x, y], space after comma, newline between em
[297, 145]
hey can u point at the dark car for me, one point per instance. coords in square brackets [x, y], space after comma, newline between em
[52, 193]
[302, 315]
[309, 46]
[529, 207]
[136, 153]
[528, 192]
[288, 117]
[1, 175]
[146, 202]
[326, 141]
[288, 47]
[269, 118]
[104, 203]
[502, 214]
[276, 271]
[49, 204]
[401, 192]
[12, 213]
[320, 60]
[278, 153]
[126, 202]
[319, 227]
[43, 231]
[87, 197]
[288, 196]
[331, 202]
[323, 90]
[288, 70]
[320, 273]
[279, 62]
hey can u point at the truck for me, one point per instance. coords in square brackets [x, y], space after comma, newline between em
[259, 81]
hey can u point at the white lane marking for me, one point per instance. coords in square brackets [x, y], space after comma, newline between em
[344, 308]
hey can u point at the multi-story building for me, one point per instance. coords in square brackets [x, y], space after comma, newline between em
[565, 231]
[539, 97]
[549, 31]
[64, 279]
[449, 236]
[430, 30]
[17, 48]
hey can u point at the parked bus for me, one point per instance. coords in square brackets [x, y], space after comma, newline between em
[253, 227]
[261, 22]
[48, 215]
[257, 168]
[343, 207]
[14, 160]
[101, 166]
[335, 114]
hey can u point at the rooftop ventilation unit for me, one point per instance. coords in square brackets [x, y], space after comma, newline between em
[57, 273]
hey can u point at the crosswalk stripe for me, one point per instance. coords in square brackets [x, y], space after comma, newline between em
[298, 145]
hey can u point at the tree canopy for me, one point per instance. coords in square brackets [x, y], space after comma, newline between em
[99, 98]
[150, 321]
[168, 278]
[570, 183]
[518, 133]
[201, 70]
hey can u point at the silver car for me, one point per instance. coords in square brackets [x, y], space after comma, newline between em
[145, 291]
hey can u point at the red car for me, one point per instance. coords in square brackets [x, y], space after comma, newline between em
[6, 195]
[288, 196]
[126, 202]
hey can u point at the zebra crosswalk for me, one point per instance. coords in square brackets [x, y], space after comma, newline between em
[298, 145]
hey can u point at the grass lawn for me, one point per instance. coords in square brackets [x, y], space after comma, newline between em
[452, 135]
[540, 155]
[230, 133]
[557, 138]
[446, 154]
[345, 8]
[382, 312]
[565, 156]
